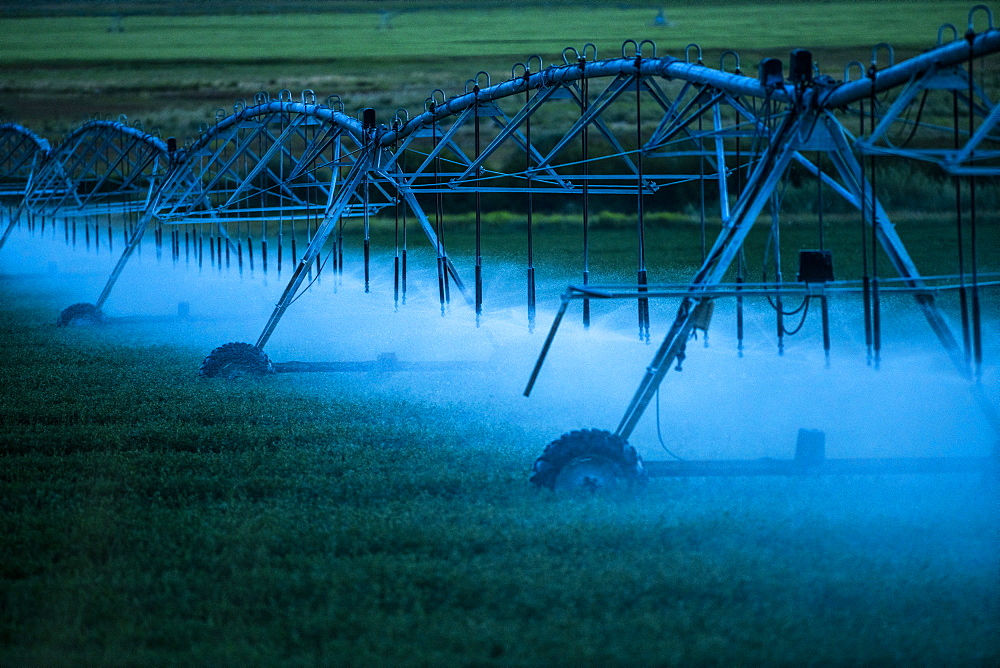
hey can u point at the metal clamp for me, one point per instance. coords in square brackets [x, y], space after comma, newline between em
[308, 96]
[284, 95]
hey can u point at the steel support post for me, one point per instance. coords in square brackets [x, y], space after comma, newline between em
[758, 191]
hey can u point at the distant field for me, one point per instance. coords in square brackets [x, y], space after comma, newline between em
[173, 71]
[460, 33]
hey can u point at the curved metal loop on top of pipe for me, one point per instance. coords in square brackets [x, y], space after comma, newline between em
[400, 119]
[722, 61]
[219, 115]
[514, 73]
[635, 49]
[431, 103]
[650, 43]
[308, 96]
[851, 65]
[123, 119]
[536, 58]
[262, 97]
[576, 55]
[946, 26]
[239, 105]
[284, 95]
[972, 17]
[590, 48]
[334, 102]
[687, 53]
[475, 81]
[883, 46]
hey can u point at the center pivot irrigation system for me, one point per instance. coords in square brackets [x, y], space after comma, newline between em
[284, 177]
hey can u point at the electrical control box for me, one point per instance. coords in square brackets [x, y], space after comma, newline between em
[815, 266]
[771, 73]
[800, 66]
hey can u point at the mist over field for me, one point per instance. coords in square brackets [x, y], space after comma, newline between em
[720, 406]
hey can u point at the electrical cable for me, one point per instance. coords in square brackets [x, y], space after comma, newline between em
[659, 435]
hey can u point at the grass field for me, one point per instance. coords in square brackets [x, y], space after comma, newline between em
[152, 518]
[511, 33]
[172, 71]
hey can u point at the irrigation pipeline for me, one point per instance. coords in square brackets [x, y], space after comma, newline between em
[702, 293]
[227, 178]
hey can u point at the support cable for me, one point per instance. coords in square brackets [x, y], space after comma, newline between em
[395, 235]
[479, 211]
[641, 278]
[530, 204]
[863, 209]
[963, 297]
[876, 305]
[977, 334]
[441, 271]
[585, 166]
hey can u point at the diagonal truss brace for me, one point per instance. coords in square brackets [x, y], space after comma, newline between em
[762, 184]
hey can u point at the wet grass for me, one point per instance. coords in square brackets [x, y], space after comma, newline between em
[150, 517]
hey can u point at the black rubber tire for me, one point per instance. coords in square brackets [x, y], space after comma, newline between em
[235, 360]
[80, 314]
[595, 444]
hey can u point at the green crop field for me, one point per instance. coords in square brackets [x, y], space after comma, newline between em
[152, 518]
[172, 71]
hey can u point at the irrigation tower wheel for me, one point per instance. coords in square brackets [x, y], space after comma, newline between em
[235, 360]
[80, 314]
[590, 459]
